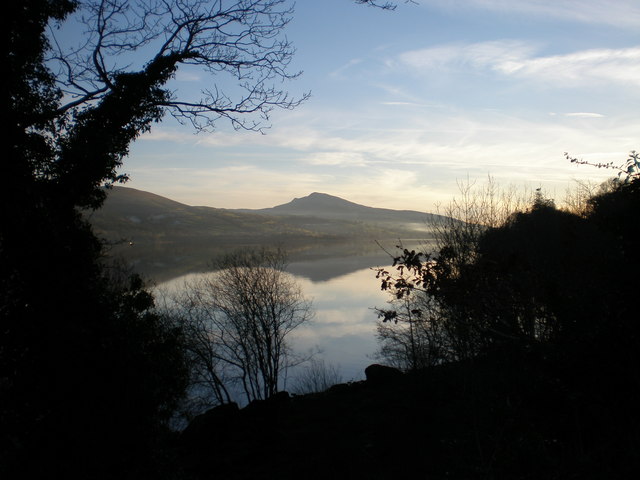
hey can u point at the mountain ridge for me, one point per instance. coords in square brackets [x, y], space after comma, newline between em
[159, 235]
[323, 205]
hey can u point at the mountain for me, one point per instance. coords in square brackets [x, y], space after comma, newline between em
[162, 237]
[136, 215]
[327, 206]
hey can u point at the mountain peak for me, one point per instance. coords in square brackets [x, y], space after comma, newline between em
[322, 205]
[316, 196]
[318, 201]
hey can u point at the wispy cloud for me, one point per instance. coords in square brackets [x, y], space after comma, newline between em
[337, 158]
[618, 13]
[339, 72]
[615, 65]
[584, 115]
[416, 165]
[407, 104]
[518, 59]
[476, 55]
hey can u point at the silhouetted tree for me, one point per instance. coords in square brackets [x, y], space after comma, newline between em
[88, 373]
[419, 329]
[541, 318]
[627, 171]
[238, 320]
[316, 376]
[413, 334]
[540, 275]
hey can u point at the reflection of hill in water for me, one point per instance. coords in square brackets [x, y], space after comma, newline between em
[318, 261]
[325, 236]
[323, 264]
[324, 269]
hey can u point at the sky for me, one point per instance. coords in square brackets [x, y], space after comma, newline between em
[407, 104]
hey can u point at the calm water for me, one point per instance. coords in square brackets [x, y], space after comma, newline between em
[344, 325]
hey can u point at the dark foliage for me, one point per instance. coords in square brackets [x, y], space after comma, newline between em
[89, 375]
[542, 319]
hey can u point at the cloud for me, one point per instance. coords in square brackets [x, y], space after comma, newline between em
[402, 168]
[584, 67]
[584, 115]
[339, 72]
[476, 55]
[407, 104]
[513, 58]
[188, 76]
[618, 13]
[336, 158]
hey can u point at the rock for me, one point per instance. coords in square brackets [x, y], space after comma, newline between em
[271, 404]
[213, 421]
[381, 374]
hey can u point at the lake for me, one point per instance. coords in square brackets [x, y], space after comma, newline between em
[344, 292]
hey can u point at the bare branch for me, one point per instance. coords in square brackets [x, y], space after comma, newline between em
[630, 168]
[239, 44]
[239, 319]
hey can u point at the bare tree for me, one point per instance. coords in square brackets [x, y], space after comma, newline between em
[465, 218]
[420, 327]
[316, 376]
[412, 334]
[237, 40]
[239, 44]
[382, 4]
[239, 319]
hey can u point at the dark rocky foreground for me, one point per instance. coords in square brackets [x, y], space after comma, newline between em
[486, 419]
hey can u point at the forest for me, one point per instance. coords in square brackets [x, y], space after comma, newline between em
[512, 348]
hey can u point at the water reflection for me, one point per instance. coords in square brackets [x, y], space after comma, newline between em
[344, 324]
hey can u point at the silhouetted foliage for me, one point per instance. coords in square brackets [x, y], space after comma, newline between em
[541, 323]
[89, 373]
[542, 275]
[627, 171]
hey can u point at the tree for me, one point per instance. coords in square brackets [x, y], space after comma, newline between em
[111, 95]
[239, 319]
[522, 277]
[539, 311]
[426, 323]
[412, 334]
[627, 171]
[73, 342]
[317, 376]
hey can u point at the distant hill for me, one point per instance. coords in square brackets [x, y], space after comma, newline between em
[159, 235]
[327, 206]
[136, 215]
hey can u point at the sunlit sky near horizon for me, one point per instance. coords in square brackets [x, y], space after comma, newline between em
[405, 104]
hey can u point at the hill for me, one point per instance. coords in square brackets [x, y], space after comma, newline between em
[140, 216]
[165, 238]
[322, 205]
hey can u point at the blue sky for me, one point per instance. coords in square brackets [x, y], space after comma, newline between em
[405, 104]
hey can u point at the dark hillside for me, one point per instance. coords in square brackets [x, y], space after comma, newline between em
[327, 206]
[164, 238]
[142, 216]
[473, 420]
